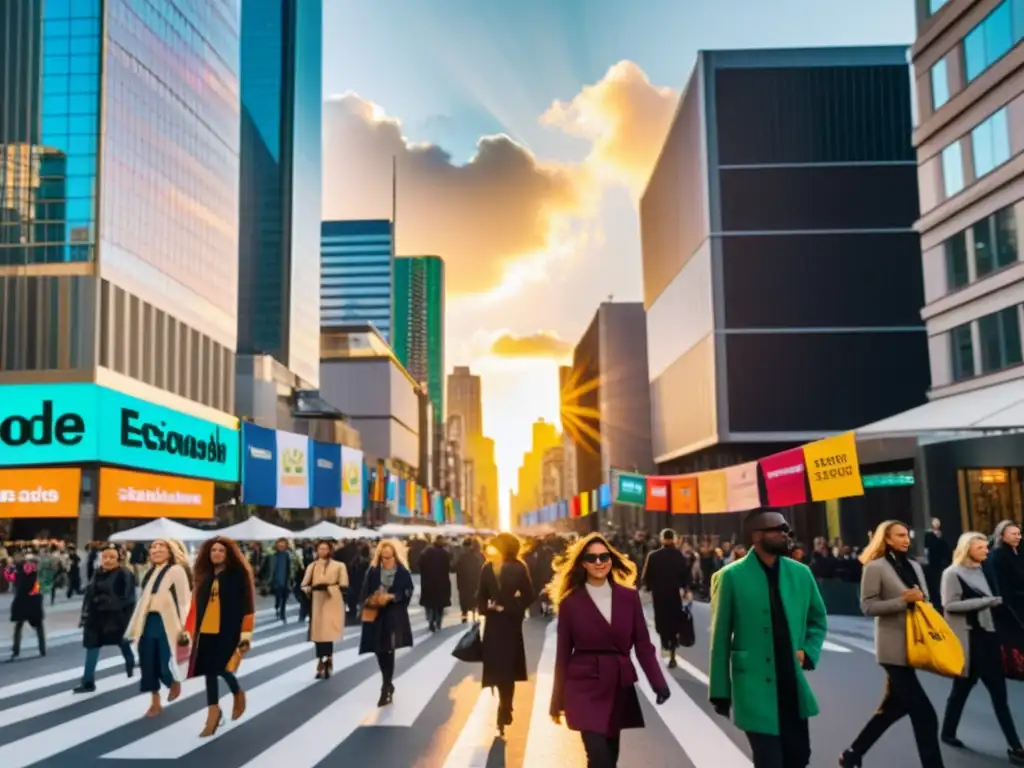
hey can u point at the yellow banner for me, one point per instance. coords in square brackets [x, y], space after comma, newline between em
[711, 491]
[584, 504]
[833, 470]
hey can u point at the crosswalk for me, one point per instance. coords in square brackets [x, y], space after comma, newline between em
[440, 717]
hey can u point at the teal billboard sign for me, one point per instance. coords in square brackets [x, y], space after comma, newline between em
[77, 423]
[631, 489]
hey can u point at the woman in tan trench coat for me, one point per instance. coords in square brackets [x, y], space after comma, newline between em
[324, 583]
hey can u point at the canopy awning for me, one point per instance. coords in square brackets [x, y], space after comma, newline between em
[325, 529]
[161, 529]
[989, 409]
[255, 529]
[412, 529]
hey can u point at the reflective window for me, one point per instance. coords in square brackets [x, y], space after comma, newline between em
[957, 274]
[991, 39]
[940, 84]
[952, 169]
[999, 334]
[961, 348]
[934, 5]
[990, 143]
[995, 242]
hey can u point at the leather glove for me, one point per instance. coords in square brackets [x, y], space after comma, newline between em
[662, 696]
[722, 706]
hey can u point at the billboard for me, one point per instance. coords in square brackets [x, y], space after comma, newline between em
[351, 482]
[40, 492]
[327, 475]
[140, 494]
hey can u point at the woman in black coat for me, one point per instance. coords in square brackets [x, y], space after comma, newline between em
[467, 576]
[385, 597]
[435, 582]
[106, 610]
[505, 594]
[27, 605]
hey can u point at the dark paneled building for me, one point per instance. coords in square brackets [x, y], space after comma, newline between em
[781, 268]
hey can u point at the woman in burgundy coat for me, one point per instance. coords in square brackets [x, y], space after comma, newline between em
[600, 620]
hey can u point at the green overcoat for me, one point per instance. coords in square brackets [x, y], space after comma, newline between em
[742, 667]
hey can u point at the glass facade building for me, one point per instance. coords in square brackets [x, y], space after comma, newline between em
[279, 217]
[356, 273]
[119, 159]
[418, 333]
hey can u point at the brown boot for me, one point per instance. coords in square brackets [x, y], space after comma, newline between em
[214, 718]
[175, 692]
[155, 708]
[239, 706]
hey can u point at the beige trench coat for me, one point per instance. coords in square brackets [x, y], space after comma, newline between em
[328, 613]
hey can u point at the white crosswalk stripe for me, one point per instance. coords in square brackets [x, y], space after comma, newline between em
[291, 718]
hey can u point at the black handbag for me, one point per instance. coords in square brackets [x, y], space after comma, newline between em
[686, 636]
[470, 647]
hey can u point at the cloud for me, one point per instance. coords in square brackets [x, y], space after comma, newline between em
[625, 118]
[539, 344]
[483, 217]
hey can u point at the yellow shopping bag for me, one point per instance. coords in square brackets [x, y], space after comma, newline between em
[931, 644]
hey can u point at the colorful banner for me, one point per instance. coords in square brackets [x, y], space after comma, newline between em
[784, 478]
[326, 475]
[48, 493]
[631, 489]
[574, 507]
[712, 492]
[657, 494]
[259, 465]
[832, 468]
[683, 495]
[604, 496]
[140, 494]
[351, 482]
[741, 489]
[293, 485]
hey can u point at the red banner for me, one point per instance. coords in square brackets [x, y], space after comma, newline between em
[784, 478]
[574, 507]
[657, 494]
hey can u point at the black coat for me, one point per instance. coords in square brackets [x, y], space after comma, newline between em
[504, 649]
[467, 577]
[391, 629]
[27, 604]
[665, 573]
[212, 653]
[107, 607]
[435, 578]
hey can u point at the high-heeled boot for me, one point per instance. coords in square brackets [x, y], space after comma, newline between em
[387, 695]
[328, 667]
[214, 720]
[155, 707]
[238, 705]
[320, 668]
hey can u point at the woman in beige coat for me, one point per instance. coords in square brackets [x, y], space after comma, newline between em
[325, 581]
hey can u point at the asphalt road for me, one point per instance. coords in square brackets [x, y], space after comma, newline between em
[440, 717]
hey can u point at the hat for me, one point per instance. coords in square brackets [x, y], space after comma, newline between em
[767, 519]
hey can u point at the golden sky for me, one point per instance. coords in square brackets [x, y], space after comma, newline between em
[531, 245]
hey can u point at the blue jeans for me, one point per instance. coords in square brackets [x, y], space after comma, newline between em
[154, 656]
[92, 658]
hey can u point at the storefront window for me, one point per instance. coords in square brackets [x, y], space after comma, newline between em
[988, 496]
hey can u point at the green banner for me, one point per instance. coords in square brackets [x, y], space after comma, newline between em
[631, 489]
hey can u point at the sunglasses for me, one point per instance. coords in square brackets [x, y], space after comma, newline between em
[597, 557]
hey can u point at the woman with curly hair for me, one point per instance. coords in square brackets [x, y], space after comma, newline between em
[600, 621]
[220, 623]
[158, 623]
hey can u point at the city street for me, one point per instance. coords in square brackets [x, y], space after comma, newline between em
[440, 717]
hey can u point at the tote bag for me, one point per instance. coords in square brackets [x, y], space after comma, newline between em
[470, 646]
[931, 644]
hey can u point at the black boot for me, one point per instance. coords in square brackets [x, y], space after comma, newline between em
[41, 638]
[387, 695]
[672, 664]
[849, 759]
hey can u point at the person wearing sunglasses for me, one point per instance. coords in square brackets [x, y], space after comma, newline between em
[768, 625]
[600, 621]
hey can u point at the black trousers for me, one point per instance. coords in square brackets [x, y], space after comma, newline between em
[324, 650]
[386, 663]
[791, 749]
[985, 655]
[19, 628]
[213, 690]
[904, 696]
[280, 601]
[602, 751]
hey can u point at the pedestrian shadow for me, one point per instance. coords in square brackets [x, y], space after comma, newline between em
[496, 754]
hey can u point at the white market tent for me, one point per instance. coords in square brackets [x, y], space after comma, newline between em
[162, 529]
[255, 529]
[325, 529]
[367, 533]
[456, 529]
[397, 529]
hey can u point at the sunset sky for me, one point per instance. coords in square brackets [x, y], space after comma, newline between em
[525, 131]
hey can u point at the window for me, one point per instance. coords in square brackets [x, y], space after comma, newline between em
[940, 84]
[935, 5]
[961, 350]
[999, 334]
[952, 169]
[990, 142]
[989, 41]
[957, 274]
[995, 242]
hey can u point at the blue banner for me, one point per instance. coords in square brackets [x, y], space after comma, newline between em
[259, 465]
[327, 475]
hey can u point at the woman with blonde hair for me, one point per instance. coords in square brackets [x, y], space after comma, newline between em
[891, 583]
[385, 597]
[158, 623]
[968, 599]
[600, 621]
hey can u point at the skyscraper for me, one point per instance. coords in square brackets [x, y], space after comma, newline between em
[279, 219]
[464, 399]
[418, 333]
[356, 273]
[155, 194]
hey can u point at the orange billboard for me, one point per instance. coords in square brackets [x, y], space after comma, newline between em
[40, 492]
[140, 494]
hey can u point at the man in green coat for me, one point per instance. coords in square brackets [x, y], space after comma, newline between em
[767, 626]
